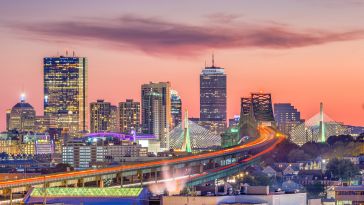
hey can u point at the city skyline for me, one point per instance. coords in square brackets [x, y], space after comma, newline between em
[329, 61]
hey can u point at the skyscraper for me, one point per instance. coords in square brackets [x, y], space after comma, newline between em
[287, 117]
[129, 116]
[101, 116]
[176, 108]
[156, 110]
[213, 98]
[65, 92]
[22, 117]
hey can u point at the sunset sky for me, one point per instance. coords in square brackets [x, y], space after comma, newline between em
[302, 51]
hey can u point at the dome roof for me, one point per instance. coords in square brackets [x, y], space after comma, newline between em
[22, 105]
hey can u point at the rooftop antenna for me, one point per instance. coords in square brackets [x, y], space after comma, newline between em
[205, 64]
[213, 60]
[73, 53]
[66, 53]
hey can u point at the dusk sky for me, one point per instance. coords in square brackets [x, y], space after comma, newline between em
[301, 51]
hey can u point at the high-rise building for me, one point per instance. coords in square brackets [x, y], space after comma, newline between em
[100, 116]
[287, 117]
[176, 108]
[65, 92]
[129, 116]
[156, 111]
[213, 98]
[21, 117]
[114, 119]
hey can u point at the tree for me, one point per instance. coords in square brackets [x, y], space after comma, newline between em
[314, 190]
[315, 149]
[341, 169]
[257, 179]
[280, 153]
[341, 138]
[298, 155]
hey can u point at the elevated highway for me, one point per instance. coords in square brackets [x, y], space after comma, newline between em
[154, 170]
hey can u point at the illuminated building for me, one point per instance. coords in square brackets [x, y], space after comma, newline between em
[287, 117]
[213, 98]
[102, 116]
[100, 150]
[22, 117]
[9, 145]
[29, 144]
[44, 123]
[129, 116]
[234, 121]
[65, 92]
[156, 111]
[176, 108]
[114, 119]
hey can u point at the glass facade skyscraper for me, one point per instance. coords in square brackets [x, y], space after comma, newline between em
[213, 98]
[156, 111]
[65, 92]
[176, 108]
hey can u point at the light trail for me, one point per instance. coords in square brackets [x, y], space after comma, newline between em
[266, 135]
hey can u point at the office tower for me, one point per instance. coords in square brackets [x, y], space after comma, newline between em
[287, 117]
[129, 116]
[176, 108]
[65, 92]
[213, 98]
[156, 111]
[102, 116]
[22, 117]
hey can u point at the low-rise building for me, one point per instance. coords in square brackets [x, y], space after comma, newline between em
[352, 195]
[261, 199]
[99, 151]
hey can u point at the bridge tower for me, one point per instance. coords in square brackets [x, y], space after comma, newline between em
[263, 109]
[322, 124]
[247, 124]
[186, 146]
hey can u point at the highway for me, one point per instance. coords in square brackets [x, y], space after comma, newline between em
[267, 134]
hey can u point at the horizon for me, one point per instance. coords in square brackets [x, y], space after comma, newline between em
[300, 59]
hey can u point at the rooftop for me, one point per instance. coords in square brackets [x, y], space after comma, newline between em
[86, 192]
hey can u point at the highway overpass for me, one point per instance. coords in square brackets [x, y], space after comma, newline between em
[154, 170]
